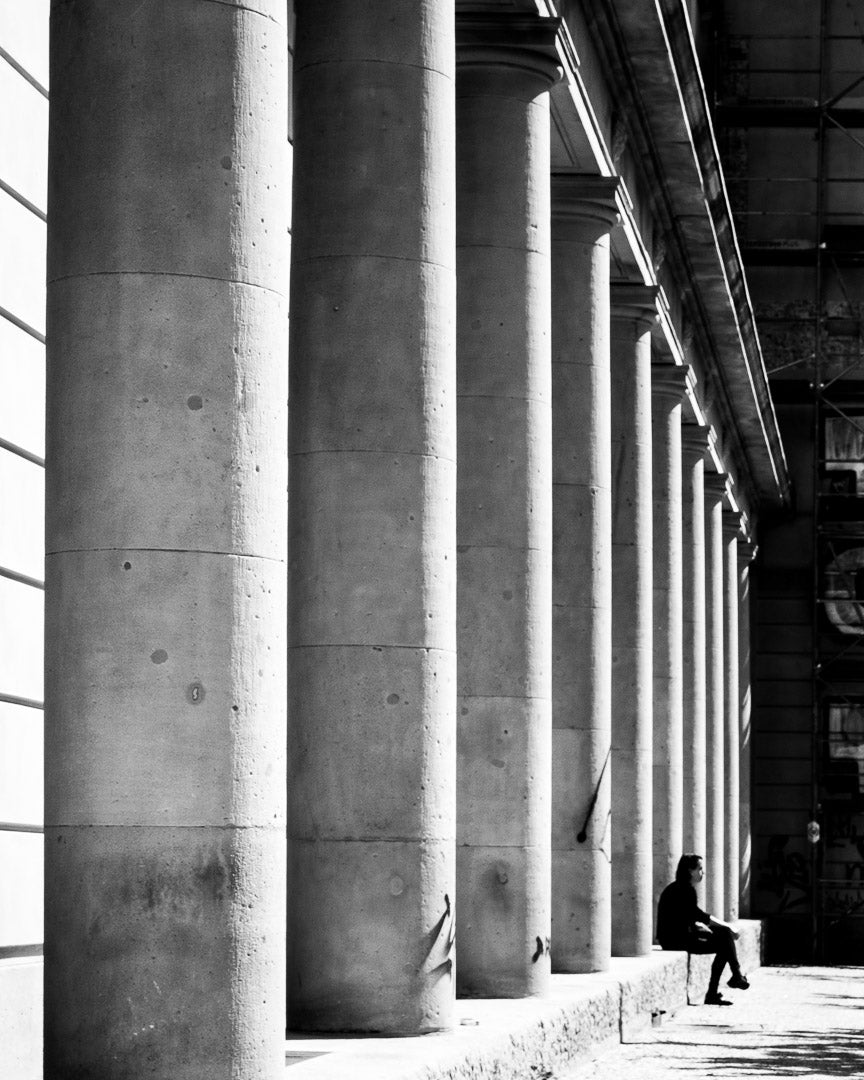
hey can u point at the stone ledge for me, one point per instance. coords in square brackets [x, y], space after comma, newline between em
[530, 1039]
[514, 1040]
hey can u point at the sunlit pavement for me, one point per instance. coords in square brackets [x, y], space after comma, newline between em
[792, 1022]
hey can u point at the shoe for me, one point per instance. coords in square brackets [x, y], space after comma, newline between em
[739, 982]
[716, 999]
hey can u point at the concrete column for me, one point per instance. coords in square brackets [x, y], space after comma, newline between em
[746, 553]
[731, 696]
[694, 445]
[165, 602]
[372, 519]
[505, 66]
[669, 387]
[633, 313]
[583, 212]
[715, 713]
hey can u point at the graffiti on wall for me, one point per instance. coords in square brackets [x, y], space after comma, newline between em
[784, 875]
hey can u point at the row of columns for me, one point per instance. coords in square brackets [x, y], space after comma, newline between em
[502, 692]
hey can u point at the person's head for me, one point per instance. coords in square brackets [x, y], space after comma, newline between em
[690, 870]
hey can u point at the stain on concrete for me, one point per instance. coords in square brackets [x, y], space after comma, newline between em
[195, 693]
[159, 656]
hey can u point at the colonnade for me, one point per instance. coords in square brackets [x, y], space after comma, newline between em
[512, 614]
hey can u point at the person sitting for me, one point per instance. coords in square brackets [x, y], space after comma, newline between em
[683, 926]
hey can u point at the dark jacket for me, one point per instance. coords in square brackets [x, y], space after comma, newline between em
[677, 913]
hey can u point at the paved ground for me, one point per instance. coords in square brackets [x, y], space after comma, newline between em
[792, 1022]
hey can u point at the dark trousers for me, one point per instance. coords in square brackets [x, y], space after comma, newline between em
[720, 941]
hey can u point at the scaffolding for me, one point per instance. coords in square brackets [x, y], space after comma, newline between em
[810, 224]
[838, 539]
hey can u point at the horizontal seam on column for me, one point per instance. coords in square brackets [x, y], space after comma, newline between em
[166, 273]
[371, 255]
[165, 551]
[503, 397]
[512, 697]
[281, 824]
[502, 247]
[371, 645]
[507, 847]
[498, 547]
[219, 3]
[593, 484]
[373, 839]
[382, 63]
[380, 453]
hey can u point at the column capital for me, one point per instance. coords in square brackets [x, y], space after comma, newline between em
[583, 204]
[746, 552]
[520, 41]
[634, 302]
[732, 525]
[694, 441]
[669, 381]
[716, 485]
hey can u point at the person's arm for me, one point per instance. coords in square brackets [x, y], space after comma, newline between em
[707, 922]
[719, 924]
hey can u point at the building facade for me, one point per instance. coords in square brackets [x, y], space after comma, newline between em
[411, 644]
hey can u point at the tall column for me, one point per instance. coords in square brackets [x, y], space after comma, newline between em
[165, 601]
[372, 519]
[669, 388]
[505, 66]
[694, 445]
[732, 740]
[715, 712]
[746, 552]
[633, 313]
[583, 212]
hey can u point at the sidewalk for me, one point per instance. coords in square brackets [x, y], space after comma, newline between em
[792, 1022]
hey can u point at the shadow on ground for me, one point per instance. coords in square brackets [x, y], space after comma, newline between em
[839, 1052]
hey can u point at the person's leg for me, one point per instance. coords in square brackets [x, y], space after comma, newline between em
[720, 961]
[721, 943]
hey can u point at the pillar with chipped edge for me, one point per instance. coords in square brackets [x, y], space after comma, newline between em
[165, 593]
[505, 67]
[669, 387]
[732, 711]
[372, 593]
[715, 710]
[633, 314]
[694, 446]
[583, 213]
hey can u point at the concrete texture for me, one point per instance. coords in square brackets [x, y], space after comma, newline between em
[694, 444]
[633, 313]
[582, 1016]
[372, 507]
[505, 67]
[794, 1021]
[669, 388]
[715, 689]
[583, 212]
[166, 542]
